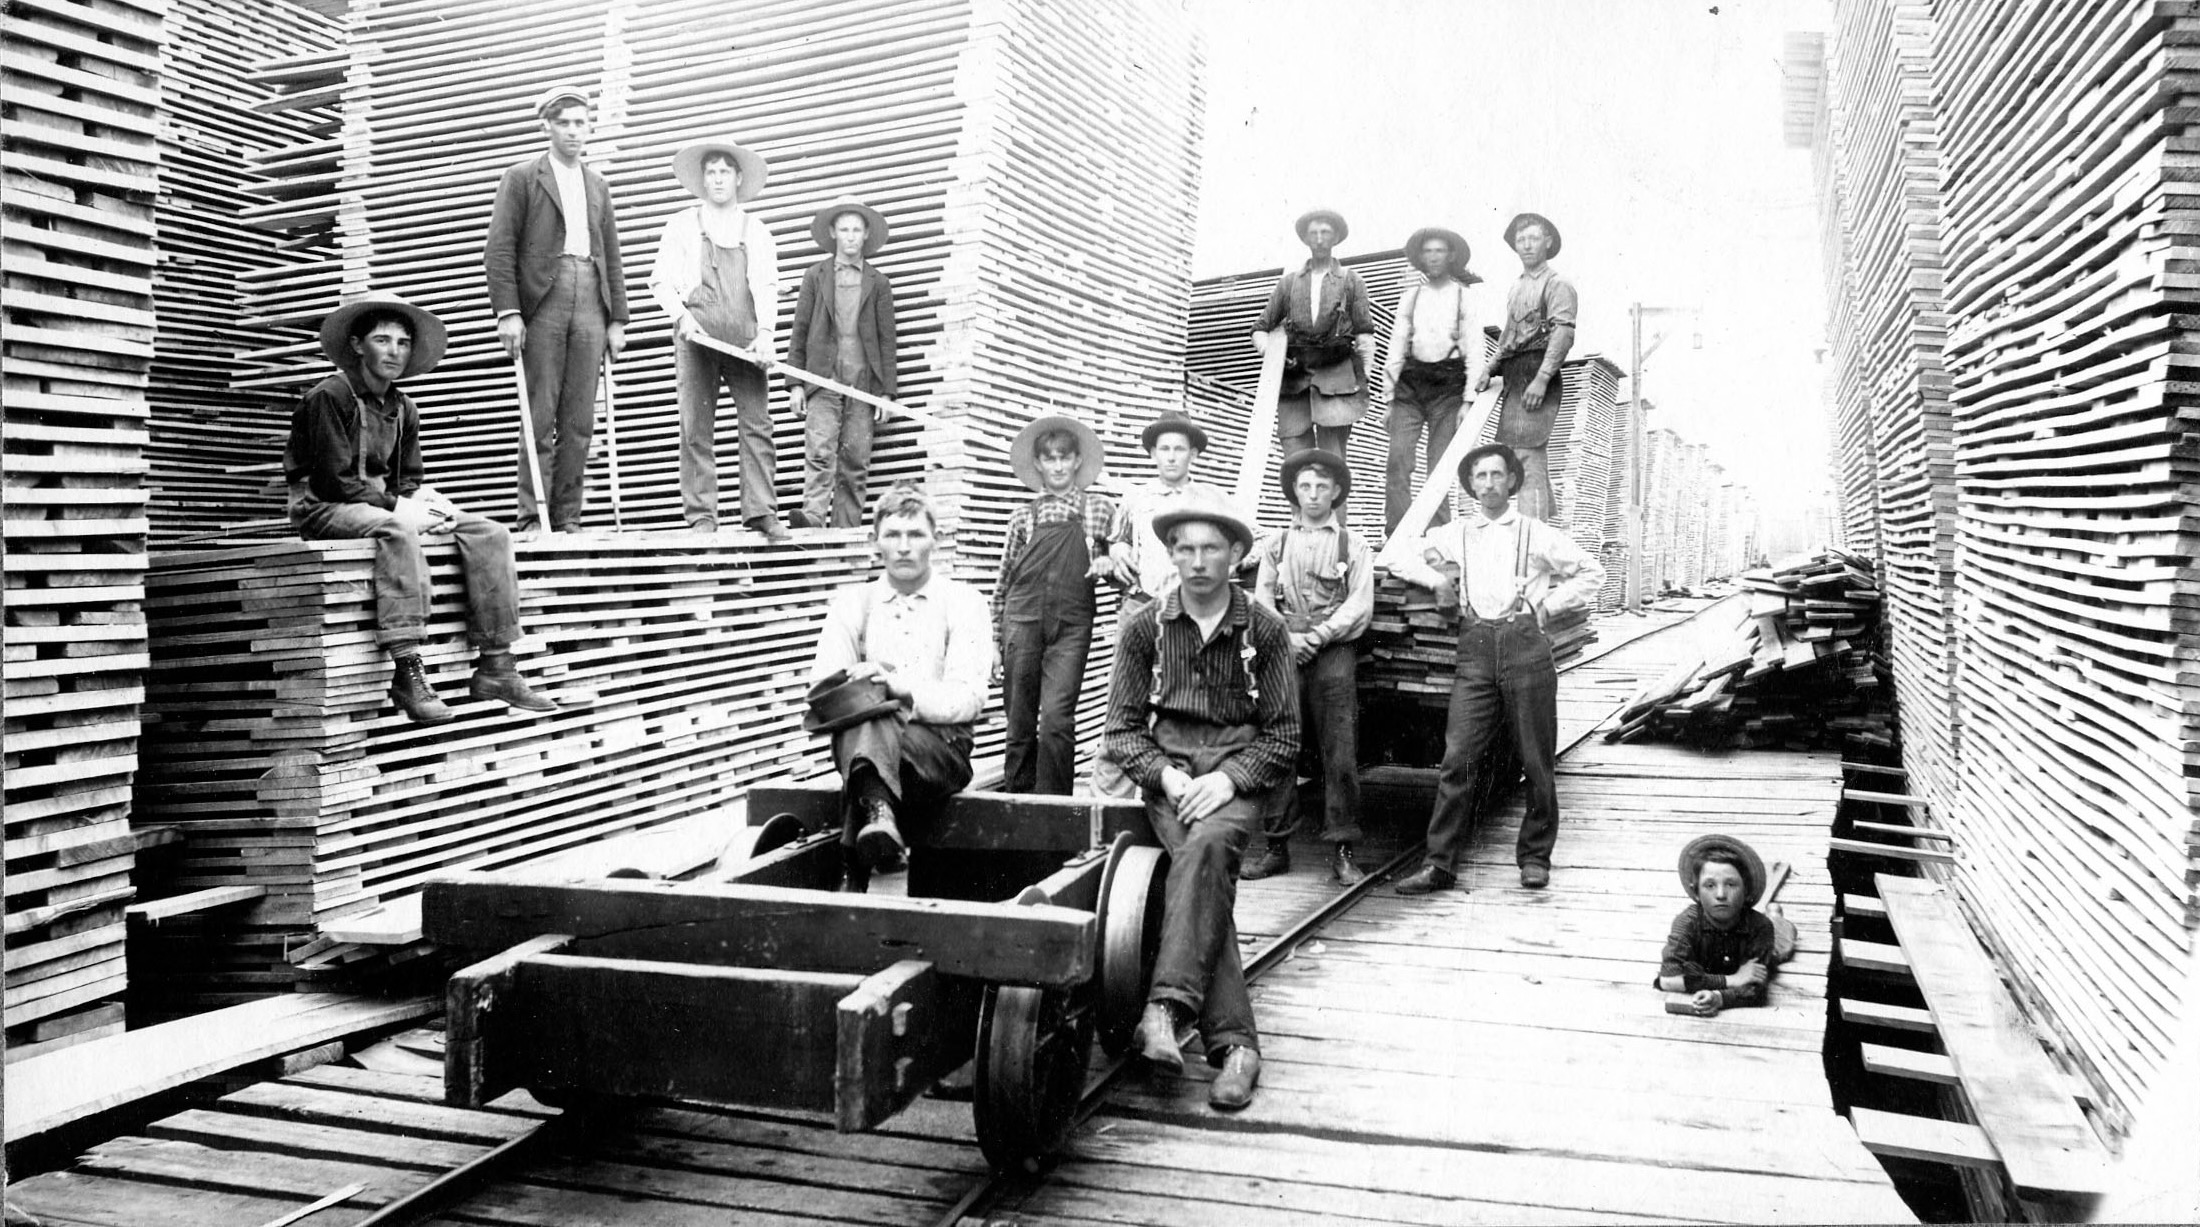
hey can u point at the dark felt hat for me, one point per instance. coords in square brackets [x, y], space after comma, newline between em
[1173, 422]
[821, 226]
[428, 333]
[1308, 218]
[687, 166]
[1460, 252]
[837, 702]
[1523, 219]
[1023, 454]
[1314, 457]
[1700, 848]
[1513, 465]
[1214, 509]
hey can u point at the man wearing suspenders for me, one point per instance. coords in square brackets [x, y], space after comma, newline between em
[1428, 363]
[1515, 573]
[1531, 356]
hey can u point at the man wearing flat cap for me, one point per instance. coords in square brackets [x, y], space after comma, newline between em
[1435, 348]
[1320, 576]
[558, 289]
[1329, 339]
[1531, 353]
[1515, 574]
[717, 276]
[926, 639]
[1203, 714]
[354, 470]
[843, 330]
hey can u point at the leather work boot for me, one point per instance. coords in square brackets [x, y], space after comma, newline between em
[1346, 871]
[770, 526]
[1426, 879]
[1535, 876]
[1240, 1073]
[1274, 859]
[1156, 1037]
[879, 842]
[410, 691]
[496, 677]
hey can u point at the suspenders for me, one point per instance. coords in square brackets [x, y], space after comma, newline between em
[1458, 319]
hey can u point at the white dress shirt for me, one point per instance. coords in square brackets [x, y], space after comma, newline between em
[1561, 576]
[938, 641]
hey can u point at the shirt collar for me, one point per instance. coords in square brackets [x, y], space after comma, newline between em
[1335, 266]
[1537, 275]
[1327, 525]
[1172, 606]
[840, 261]
[893, 594]
[391, 397]
[1481, 519]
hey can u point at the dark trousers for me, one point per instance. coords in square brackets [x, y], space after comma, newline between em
[401, 572]
[919, 765]
[1198, 967]
[1329, 744]
[562, 360]
[1296, 429]
[1042, 672]
[1415, 404]
[837, 458]
[1528, 431]
[696, 374]
[1505, 683]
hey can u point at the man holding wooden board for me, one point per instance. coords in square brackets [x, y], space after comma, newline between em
[717, 276]
[354, 469]
[843, 328]
[558, 288]
[1329, 341]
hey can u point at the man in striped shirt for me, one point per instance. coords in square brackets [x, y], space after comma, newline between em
[1204, 717]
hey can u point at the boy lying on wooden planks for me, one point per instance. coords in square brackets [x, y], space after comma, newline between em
[1721, 948]
[354, 469]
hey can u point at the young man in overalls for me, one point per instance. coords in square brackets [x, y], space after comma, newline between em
[1515, 573]
[1057, 546]
[1321, 578]
[1438, 321]
[844, 330]
[717, 276]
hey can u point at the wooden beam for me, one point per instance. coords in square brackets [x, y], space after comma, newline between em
[156, 910]
[899, 1032]
[1898, 831]
[1938, 1069]
[1864, 905]
[761, 926]
[814, 862]
[2015, 1091]
[1881, 798]
[1874, 768]
[974, 821]
[472, 998]
[1880, 1014]
[1901, 1136]
[1898, 852]
[1874, 956]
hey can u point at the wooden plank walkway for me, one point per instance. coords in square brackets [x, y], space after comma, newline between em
[1494, 1055]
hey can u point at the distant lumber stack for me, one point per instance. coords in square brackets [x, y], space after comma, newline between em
[1799, 667]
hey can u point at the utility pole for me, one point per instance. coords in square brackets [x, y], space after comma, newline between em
[1636, 437]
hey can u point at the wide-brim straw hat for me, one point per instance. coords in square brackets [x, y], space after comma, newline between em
[821, 226]
[1314, 457]
[1334, 218]
[1700, 848]
[1212, 508]
[1523, 219]
[1177, 423]
[1023, 454]
[837, 702]
[428, 334]
[687, 166]
[1460, 251]
[575, 90]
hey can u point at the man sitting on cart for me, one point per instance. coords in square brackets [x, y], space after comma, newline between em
[1203, 715]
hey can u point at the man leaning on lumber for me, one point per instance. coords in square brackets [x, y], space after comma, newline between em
[900, 676]
[1203, 714]
[354, 469]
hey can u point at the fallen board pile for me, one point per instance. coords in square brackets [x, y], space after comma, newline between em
[271, 744]
[1799, 669]
[77, 193]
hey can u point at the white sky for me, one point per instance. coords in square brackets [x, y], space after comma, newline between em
[1648, 130]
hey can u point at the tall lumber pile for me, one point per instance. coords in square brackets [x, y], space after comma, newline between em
[2011, 208]
[77, 192]
[1797, 668]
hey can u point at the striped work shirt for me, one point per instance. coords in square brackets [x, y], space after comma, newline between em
[1243, 676]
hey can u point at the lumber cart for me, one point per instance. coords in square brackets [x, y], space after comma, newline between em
[769, 988]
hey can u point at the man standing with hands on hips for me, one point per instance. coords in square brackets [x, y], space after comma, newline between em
[559, 292]
[1515, 573]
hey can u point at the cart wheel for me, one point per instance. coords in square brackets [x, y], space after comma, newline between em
[1130, 939]
[778, 831]
[1032, 1048]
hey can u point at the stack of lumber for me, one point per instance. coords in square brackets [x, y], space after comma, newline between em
[1796, 668]
[214, 450]
[2068, 228]
[1411, 647]
[270, 742]
[77, 192]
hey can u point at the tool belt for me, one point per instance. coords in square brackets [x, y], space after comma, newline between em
[1443, 374]
[1314, 355]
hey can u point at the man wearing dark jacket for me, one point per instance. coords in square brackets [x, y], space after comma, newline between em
[354, 470]
[843, 330]
[559, 293]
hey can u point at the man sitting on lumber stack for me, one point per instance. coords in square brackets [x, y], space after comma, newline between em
[354, 469]
[900, 676]
[1721, 948]
[1203, 714]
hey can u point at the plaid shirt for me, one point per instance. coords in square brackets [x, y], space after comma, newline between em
[1097, 509]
